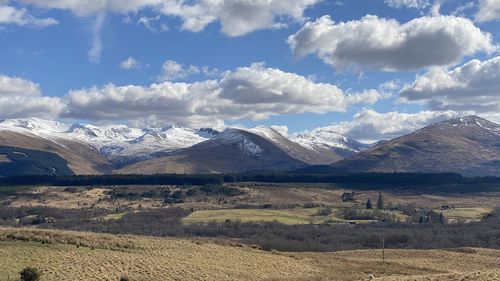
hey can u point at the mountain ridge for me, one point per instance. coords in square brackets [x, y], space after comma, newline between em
[121, 145]
[467, 145]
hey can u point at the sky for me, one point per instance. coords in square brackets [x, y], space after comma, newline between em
[368, 69]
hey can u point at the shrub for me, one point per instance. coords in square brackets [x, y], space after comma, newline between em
[30, 274]
[324, 211]
[309, 205]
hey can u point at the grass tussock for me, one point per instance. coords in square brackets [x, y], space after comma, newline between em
[79, 239]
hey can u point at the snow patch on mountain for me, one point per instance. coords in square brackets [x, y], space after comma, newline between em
[117, 143]
[237, 136]
[327, 138]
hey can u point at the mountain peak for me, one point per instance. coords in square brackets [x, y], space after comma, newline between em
[471, 123]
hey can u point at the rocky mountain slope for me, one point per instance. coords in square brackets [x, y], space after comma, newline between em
[468, 145]
[231, 151]
[91, 149]
[120, 145]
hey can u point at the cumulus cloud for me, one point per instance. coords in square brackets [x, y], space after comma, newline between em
[237, 17]
[271, 90]
[179, 103]
[472, 86]
[369, 125]
[416, 4]
[386, 44]
[254, 92]
[23, 98]
[10, 15]
[489, 10]
[130, 63]
[173, 71]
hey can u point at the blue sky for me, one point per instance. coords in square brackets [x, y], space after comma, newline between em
[73, 54]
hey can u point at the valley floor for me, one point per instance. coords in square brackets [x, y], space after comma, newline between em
[67, 255]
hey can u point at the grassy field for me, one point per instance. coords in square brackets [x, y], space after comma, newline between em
[285, 216]
[467, 214]
[64, 255]
[12, 190]
[292, 216]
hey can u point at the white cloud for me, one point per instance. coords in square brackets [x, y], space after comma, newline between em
[237, 17]
[489, 10]
[96, 9]
[96, 47]
[14, 86]
[253, 92]
[22, 98]
[386, 44]
[165, 103]
[272, 90]
[130, 63]
[472, 86]
[153, 24]
[416, 4]
[172, 70]
[85, 8]
[369, 125]
[21, 17]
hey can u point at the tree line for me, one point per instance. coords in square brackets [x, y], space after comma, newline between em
[361, 180]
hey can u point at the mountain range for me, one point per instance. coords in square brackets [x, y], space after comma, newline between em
[468, 145]
[92, 149]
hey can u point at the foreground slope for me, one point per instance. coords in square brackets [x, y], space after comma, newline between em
[468, 145]
[86, 256]
[233, 150]
[66, 255]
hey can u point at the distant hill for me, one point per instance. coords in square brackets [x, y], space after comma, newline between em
[231, 151]
[468, 145]
[16, 161]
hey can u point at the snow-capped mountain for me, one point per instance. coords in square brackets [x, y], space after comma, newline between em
[119, 144]
[467, 145]
[328, 139]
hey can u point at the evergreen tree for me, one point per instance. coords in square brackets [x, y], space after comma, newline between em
[380, 202]
[369, 204]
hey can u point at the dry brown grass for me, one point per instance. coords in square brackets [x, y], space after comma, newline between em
[66, 255]
[148, 259]
[415, 265]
